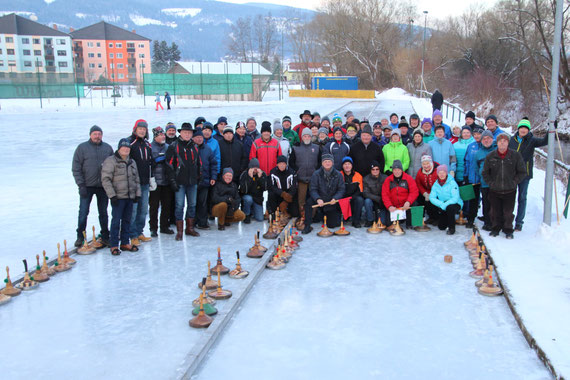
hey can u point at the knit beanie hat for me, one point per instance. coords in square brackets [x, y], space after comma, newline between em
[95, 128]
[436, 113]
[336, 117]
[307, 131]
[470, 114]
[170, 126]
[418, 131]
[227, 170]
[157, 131]
[253, 163]
[250, 118]
[478, 129]
[486, 133]
[426, 120]
[393, 114]
[281, 159]
[524, 123]
[466, 127]
[347, 159]
[491, 117]
[397, 164]
[403, 123]
[327, 156]
[441, 168]
[207, 125]
[321, 130]
[367, 129]
[426, 157]
[325, 118]
[277, 125]
[228, 128]
[503, 136]
[266, 127]
[286, 118]
[414, 116]
[396, 132]
[199, 120]
[124, 143]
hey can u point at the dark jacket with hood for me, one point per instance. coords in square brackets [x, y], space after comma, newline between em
[87, 162]
[184, 163]
[209, 165]
[253, 186]
[159, 157]
[326, 186]
[525, 146]
[363, 156]
[233, 156]
[226, 192]
[373, 187]
[280, 181]
[141, 153]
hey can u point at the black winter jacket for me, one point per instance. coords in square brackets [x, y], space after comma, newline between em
[304, 160]
[373, 187]
[280, 181]
[87, 162]
[141, 153]
[253, 186]
[362, 156]
[526, 148]
[503, 174]
[184, 163]
[224, 192]
[159, 157]
[326, 187]
[233, 156]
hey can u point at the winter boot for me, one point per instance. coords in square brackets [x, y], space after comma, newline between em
[79, 242]
[166, 230]
[144, 239]
[153, 233]
[190, 227]
[179, 229]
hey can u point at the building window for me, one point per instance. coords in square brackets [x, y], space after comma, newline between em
[47, 41]
[111, 45]
[119, 45]
[121, 76]
[37, 52]
[111, 55]
[143, 65]
[36, 41]
[91, 65]
[119, 55]
[27, 63]
[39, 63]
[100, 65]
[12, 63]
[10, 51]
[1, 63]
[61, 53]
[120, 66]
[91, 55]
[98, 44]
[26, 41]
[27, 52]
[111, 66]
[130, 44]
[49, 63]
[89, 44]
[61, 41]
[0, 51]
[62, 64]
[141, 46]
[98, 55]
[112, 76]
[9, 40]
[141, 55]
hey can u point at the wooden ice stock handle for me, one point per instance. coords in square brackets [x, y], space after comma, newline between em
[334, 201]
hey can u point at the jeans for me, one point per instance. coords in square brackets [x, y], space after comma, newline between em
[356, 204]
[521, 199]
[189, 194]
[102, 203]
[140, 210]
[202, 206]
[248, 204]
[121, 212]
[373, 209]
[162, 197]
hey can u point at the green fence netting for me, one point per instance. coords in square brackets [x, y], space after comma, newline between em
[36, 85]
[198, 84]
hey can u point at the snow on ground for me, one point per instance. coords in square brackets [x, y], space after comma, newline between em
[373, 306]
[181, 12]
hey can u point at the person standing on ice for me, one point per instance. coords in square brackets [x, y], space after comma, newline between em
[251, 128]
[365, 151]
[184, 170]
[232, 151]
[395, 151]
[288, 132]
[170, 130]
[471, 175]
[141, 153]
[306, 118]
[437, 120]
[417, 148]
[436, 100]
[337, 147]
[167, 99]
[503, 170]
[327, 185]
[120, 179]
[219, 128]
[487, 146]
[492, 125]
[266, 149]
[442, 150]
[445, 196]
[157, 101]
[524, 142]
[86, 168]
[207, 131]
[241, 136]
[207, 180]
[283, 141]
[162, 196]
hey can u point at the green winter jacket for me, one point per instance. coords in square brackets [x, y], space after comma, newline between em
[395, 151]
[292, 136]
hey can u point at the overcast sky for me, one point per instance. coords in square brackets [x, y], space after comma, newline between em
[437, 8]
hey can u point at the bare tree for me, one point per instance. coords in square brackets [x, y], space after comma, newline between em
[240, 40]
[306, 48]
[253, 39]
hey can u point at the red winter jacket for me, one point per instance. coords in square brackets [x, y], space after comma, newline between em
[426, 181]
[299, 128]
[266, 153]
[397, 192]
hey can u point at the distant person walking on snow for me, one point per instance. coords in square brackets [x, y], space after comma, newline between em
[437, 100]
[157, 101]
[167, 99]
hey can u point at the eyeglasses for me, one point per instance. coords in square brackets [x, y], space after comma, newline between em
[374, 169]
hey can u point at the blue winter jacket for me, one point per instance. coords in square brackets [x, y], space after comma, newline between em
[460, 150]
[443, 153]
[209, 165]
[447, 129]
[213, 144]
[497, 132]
[448, 194]
[479, 161]
[470, 173]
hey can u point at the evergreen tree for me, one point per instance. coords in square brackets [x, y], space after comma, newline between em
[164, 56]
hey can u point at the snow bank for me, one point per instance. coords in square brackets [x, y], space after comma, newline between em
[181, 12]
[142, 21]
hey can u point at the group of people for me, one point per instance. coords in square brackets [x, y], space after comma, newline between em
[190, 175]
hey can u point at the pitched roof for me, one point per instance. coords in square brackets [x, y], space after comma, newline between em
[224, 68]
[14, 24]
[106, 31]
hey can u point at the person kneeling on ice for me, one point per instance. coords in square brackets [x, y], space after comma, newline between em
[373, 195]
[282, 188]
[425, 179]
[120, 179]
[399, 191]
[353, 187]
[252, 185]
[226, 201]
[445, 195]
[327, 185]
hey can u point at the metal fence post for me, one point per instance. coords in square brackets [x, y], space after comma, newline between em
[39, 83]
[201, 84]
[174, 86]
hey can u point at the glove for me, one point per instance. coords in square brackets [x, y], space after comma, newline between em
[137, 199]
[114, 200]
[173, 186]
[287, 197]
[426, 196]
[83, 191]
[152, 184]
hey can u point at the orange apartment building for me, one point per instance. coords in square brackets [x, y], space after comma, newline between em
[105, 50]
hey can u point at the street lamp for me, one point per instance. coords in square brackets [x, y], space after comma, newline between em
[281, 72]
[422, 85]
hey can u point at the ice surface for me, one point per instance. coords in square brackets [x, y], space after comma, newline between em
[373, 306]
